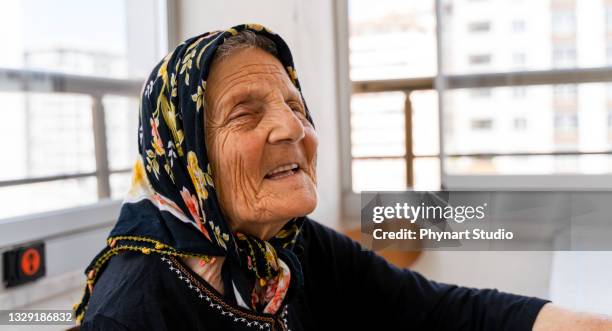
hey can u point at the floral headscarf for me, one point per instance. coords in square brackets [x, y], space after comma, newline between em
[172, 206]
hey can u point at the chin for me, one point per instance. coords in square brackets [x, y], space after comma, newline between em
[278, 209]
[294, 204]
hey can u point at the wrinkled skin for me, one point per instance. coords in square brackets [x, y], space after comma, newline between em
[255, 122]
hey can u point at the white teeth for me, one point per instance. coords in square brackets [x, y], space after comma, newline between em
[283, 168]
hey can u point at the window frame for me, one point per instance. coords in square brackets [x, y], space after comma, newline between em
[351, 204]
[48, 224]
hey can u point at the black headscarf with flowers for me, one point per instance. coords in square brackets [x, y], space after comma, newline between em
[172, 206]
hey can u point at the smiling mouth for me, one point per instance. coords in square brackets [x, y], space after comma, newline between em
[283, 171]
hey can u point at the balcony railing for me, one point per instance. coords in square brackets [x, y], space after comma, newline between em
[48, 225]
[14, 80]
[488, 80]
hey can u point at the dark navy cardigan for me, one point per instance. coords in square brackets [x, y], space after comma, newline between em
[345, 288]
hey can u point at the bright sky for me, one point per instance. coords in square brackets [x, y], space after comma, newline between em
[363, 9]
[43, 24]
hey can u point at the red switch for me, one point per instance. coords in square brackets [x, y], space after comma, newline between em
[24, 264]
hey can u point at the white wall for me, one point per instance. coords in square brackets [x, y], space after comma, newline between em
[66, 258]
[581, 281]
[307, 27]
[525, 273]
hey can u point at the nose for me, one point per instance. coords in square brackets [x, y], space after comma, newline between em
[286, 126]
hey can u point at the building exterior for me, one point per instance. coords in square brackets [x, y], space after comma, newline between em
[487, 36]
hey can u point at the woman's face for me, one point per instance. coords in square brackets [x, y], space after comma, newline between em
[261, 146]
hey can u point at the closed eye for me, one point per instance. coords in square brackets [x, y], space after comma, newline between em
[239, 112]
[244, 109]
[296, 107]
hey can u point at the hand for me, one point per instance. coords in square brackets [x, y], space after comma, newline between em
[552, 317]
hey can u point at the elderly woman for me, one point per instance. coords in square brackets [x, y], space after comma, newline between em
[213, 234]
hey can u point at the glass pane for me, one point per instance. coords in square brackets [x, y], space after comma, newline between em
[393, 39]
[379, 175]
[426, 173]
[377, 130]
[80, 37]
[530, 165]
[425, 139]
[45, 134]
[39, 197]
[529, 119]
[510, 35]
[120, 184]
[121, 116]
[377, 124]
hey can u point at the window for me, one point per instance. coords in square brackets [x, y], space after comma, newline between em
[609, 52]
[541, 134]
[520, 123]
[519, 92]
[564, 55]
[519, 59]
[546, 32]
[387, 42]
[55, 153]
[565, 91]
[377, 124]
[566, 121]
[491, 127]
[60, 41]
[480, 59]
[482, 124]
[563, 21]
[397, 40]
[608, 16]
[476, 27]
[480, 92]
[518, 26]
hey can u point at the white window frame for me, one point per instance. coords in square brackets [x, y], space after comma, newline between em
[351, 204]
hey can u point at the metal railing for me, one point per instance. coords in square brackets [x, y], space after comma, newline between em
[485, 80]
[16, 80]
